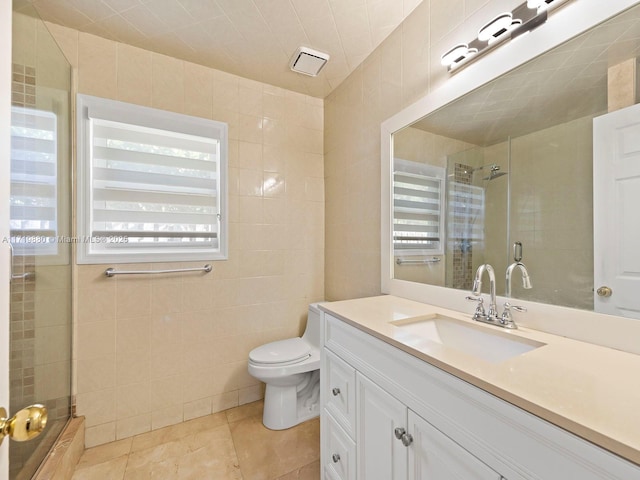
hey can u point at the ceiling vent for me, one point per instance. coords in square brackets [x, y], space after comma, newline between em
[308, 61]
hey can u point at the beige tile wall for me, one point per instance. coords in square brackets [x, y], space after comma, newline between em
[153, 351]
[405, 67]
[496, 211]
[552, 213]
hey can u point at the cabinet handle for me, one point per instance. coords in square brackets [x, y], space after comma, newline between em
[335, 391]
[407, 439]
[399, 432]
[335, 457]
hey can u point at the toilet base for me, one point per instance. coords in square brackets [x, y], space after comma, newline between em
[286, 407]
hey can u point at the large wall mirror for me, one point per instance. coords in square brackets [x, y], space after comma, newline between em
[508, 164]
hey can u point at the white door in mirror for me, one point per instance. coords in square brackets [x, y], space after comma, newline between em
[616, 223]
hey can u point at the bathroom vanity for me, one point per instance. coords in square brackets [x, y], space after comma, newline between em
[404, 397]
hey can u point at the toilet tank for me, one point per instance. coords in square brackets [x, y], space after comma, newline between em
[312, 331]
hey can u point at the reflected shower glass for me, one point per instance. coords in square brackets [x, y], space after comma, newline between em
[40, 309]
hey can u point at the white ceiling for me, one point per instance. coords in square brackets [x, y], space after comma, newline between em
[251, 38]
[564, 84]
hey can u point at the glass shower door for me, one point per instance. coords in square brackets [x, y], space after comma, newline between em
[40, 303]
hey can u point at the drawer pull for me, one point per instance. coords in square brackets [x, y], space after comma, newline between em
[335, 457]
[335, 391]
[399, 432]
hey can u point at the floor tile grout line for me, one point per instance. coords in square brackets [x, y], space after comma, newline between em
[233, 441]
[126, 465]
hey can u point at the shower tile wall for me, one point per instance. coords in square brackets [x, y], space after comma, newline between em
[462, 257]
[552, 171]
[156, 351]
[23, 85]
[22, 349]
[22, 306]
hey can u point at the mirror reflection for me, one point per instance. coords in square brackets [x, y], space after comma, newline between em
[511, 164]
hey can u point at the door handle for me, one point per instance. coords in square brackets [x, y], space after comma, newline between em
[604, 291]
[19, 276]
[28, 423]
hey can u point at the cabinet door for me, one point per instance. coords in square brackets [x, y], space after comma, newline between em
[380, 455]
[434, 456]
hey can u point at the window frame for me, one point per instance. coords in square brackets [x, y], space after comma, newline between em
[138, 115]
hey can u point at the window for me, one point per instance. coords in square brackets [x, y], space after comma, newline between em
[152, 184]
[34, 180]
[418, 201]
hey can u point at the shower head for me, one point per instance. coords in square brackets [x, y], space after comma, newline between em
[494, 172]
[494, 175]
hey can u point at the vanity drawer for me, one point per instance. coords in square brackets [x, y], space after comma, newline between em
[339, 452]
[341, 393]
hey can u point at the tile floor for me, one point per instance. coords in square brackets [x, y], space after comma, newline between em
[227, 445]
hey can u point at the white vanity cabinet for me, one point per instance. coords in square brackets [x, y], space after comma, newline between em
[368, 434]
[388, 415]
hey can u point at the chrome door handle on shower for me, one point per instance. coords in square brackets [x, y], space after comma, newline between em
[517, 251]
[18, 276]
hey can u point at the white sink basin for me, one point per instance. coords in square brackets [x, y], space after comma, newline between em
[488, 343]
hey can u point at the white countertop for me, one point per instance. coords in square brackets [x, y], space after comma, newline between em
[589, 390]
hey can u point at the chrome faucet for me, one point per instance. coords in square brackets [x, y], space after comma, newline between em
[526, 281]
[506, 320]
[492, 314]
[491, 317]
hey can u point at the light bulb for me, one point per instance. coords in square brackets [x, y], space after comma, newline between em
[495, 27]
[456, 54]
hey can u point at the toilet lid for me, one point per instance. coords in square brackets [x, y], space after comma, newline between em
[289, 350]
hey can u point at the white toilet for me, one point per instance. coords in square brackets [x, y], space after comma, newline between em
[291, 370]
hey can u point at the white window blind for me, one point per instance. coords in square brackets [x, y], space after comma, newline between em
[34, 162]
[418, 217]
[154, 184]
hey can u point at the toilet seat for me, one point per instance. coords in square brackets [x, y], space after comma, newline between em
[281, 352]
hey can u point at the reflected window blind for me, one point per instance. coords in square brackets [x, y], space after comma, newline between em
[466, 214]
[417, 213]
[154, 187]
[33, 199]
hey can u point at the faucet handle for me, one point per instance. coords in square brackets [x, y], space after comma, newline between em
[479, 313]
[507, 320]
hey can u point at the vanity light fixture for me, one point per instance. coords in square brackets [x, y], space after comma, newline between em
[506, 26]
[457, 54]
